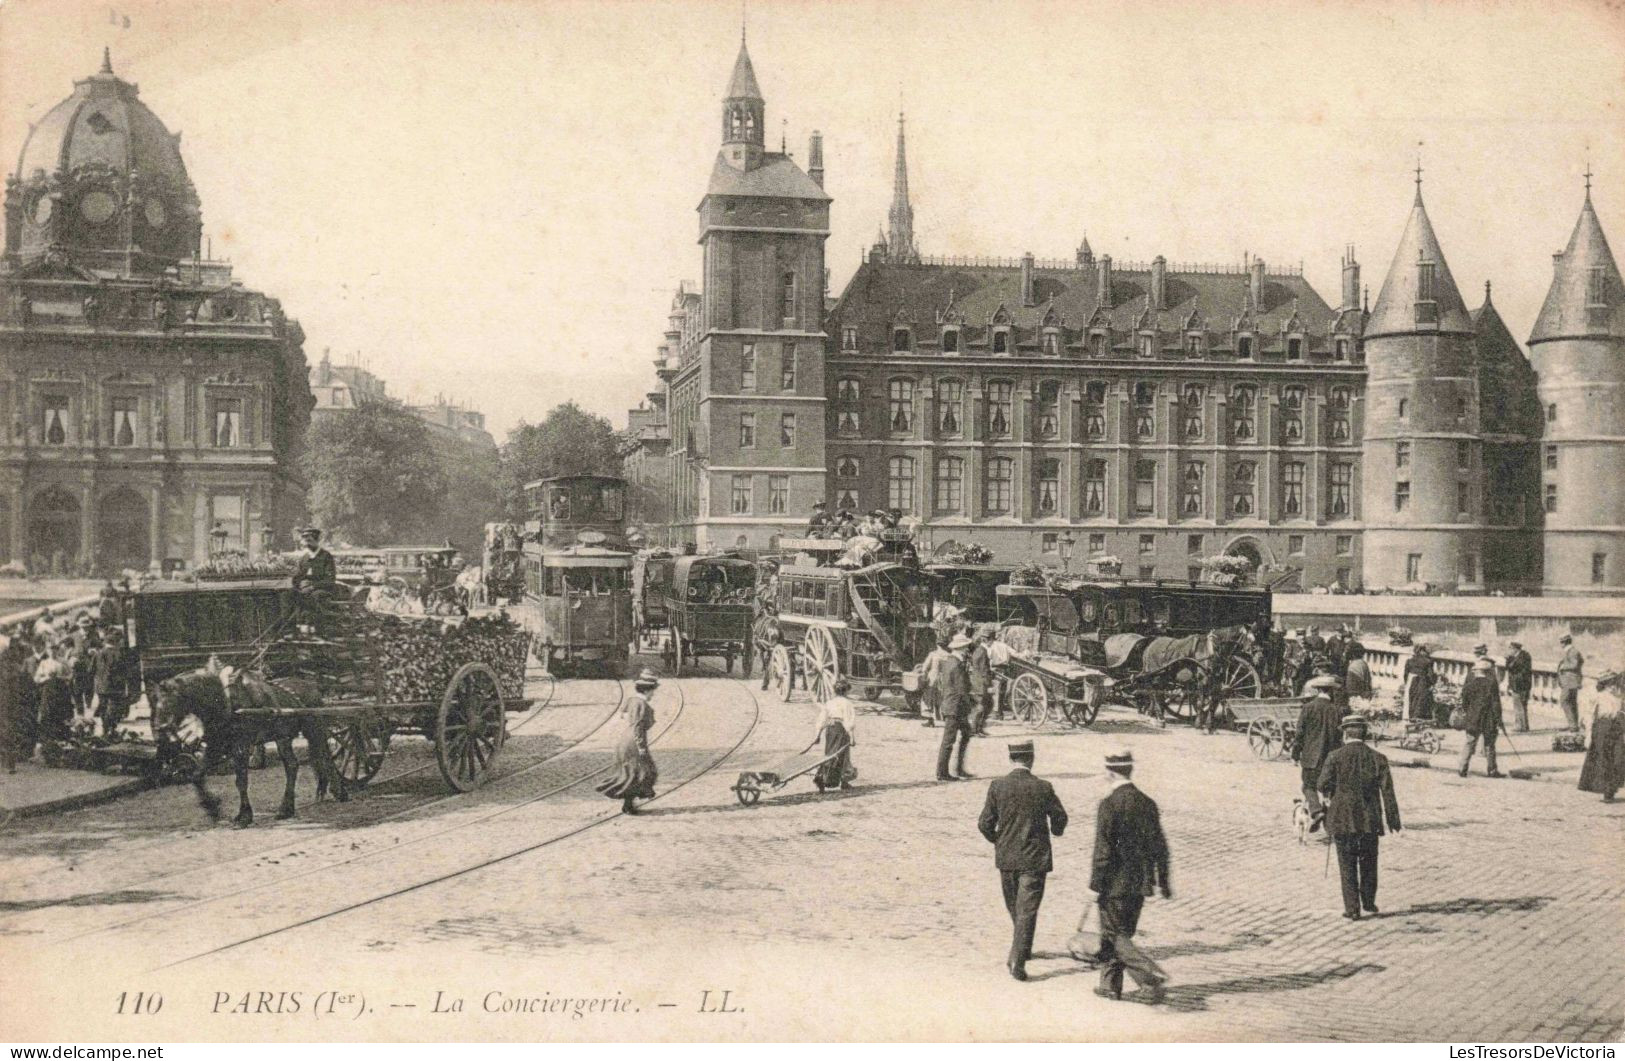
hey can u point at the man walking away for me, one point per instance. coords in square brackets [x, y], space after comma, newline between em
[981, 679]
[953, 698]
[1020, 814]
[1481, 707]
[1520, 670]
[1131, 858]
[1361, 790]
[1318, 735]
[1569, 676]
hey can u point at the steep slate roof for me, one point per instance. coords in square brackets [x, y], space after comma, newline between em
[1506, 380]
[884, 292]
[1565, 314]
[777, 177]
[1395, 311]
[743, 83]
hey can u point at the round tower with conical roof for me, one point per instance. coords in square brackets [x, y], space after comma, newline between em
[1422, 503]
[1578, 351]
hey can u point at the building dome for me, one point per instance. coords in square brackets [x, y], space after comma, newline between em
[100, 173]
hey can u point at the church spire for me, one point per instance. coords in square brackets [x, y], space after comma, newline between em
[900, 236]
[744, 114]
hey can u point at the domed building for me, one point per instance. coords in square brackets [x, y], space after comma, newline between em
[152, 407]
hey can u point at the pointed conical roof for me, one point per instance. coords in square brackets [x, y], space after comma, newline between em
[743, 83]
[1567, 313]
[1395, 311]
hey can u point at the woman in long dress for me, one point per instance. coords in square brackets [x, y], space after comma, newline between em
[838, 727]
[1604, 769]
[635, 773]
[1419, 678]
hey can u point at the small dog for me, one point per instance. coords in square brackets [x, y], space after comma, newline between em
[1302, 820]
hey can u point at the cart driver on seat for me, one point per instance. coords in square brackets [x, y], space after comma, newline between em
[316, 578]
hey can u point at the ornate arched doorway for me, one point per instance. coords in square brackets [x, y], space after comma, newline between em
[53, 532]
[122, 532]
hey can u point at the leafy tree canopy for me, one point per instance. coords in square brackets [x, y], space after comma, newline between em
[568, 441]
[374, 477]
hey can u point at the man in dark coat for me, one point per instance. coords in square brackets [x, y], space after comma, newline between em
[819, 523]
[1131, 859]
[954, 700]
[1317, 736]
[1020, 814]
[1520, 670]
[981, 679]
[1361, 790]
[316, 571]
[1481, 709]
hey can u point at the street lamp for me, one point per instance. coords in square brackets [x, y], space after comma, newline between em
[1067, 541]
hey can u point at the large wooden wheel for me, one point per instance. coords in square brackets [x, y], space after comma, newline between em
[1238, 679]
[470, 728]
[1029, 701]
[1083, 714]
[783, 675]
[1265, 738]
[820, 663]
[358, 748]
[1182, 695]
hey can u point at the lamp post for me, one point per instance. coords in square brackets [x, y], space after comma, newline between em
[1067, 541]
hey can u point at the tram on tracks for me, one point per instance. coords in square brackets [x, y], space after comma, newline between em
[577, 571]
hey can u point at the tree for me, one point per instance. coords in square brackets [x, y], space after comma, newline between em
[374, 477]
[568, 441]
[473, 495]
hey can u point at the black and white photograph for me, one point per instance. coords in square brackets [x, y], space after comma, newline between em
[932, 521]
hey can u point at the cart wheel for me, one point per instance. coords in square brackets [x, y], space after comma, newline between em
[747, 792]
[1238, 680]
[470, 728]
[1085, 713]
[1264, 738]
[1029, 700]
[358, 748]
[820, 663]
[783, 675]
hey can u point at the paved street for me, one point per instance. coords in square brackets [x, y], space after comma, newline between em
[870, 913]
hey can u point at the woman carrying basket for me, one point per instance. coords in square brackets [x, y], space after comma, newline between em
[635, 773]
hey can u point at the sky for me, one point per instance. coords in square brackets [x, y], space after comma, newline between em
[495, 199]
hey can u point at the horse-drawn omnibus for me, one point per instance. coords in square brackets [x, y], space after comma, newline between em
[709, 605]
[839, 616]
[578, 599]
[971, 588]
[1165, 646]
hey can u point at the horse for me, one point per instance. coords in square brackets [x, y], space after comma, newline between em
[217, 700]
[1211, 651]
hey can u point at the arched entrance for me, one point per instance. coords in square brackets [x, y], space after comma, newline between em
[122, 532]
[1251, 549]
[53, 532]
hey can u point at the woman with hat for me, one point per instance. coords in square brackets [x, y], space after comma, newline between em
[1604, 769]
[1419, 679]
[635, 773]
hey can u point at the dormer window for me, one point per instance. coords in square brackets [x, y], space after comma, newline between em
[1340, 349]
[950, 340]
[1100, 344]
[1001, 340]
[1193, 345]
[849, 337]
[901, 340]
[1597, 286]
[1427, 310]
[1294, 349]
[1051, 342]
[1148, 346]
[1244, 348]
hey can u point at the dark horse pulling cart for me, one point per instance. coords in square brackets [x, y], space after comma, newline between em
[709, 608]
[361, 677]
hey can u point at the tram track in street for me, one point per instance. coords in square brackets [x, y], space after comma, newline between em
[505, 856]
[397, 813]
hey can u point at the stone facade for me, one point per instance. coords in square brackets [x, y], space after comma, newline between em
[154, 407]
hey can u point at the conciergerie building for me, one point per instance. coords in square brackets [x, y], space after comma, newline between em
[152, 408]
[1157, 412]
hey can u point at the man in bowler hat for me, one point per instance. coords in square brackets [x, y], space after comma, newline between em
[1131, 859]
[1361, 790]
[1020, 814]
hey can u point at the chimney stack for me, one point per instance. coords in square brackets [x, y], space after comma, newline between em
[1027, 298]
[1159, 283]
[1351, 280]
[1103, 282]
[1255, 285]
[815, 158]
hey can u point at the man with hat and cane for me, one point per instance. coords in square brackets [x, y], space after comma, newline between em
[1361, 792]
[1520, 670]
[1317, 736]
[1481, 711]
[1130, 860]
[1020, 814]
[954, 701]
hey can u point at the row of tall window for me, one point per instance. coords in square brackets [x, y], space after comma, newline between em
[998, 410]
[226, 423]
[747, 430]
[1098, 342]
[741, 499]
[747, 368]
[999, 480]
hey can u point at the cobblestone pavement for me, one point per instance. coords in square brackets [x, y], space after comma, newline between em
[871, 913]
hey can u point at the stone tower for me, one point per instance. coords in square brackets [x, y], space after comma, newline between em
[1578, 350]
[755, 391]
[1419, 479]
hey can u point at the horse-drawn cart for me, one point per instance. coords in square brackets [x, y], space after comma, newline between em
[709, 607]
[1270, 723]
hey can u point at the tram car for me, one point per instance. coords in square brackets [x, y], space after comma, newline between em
[578, 568]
